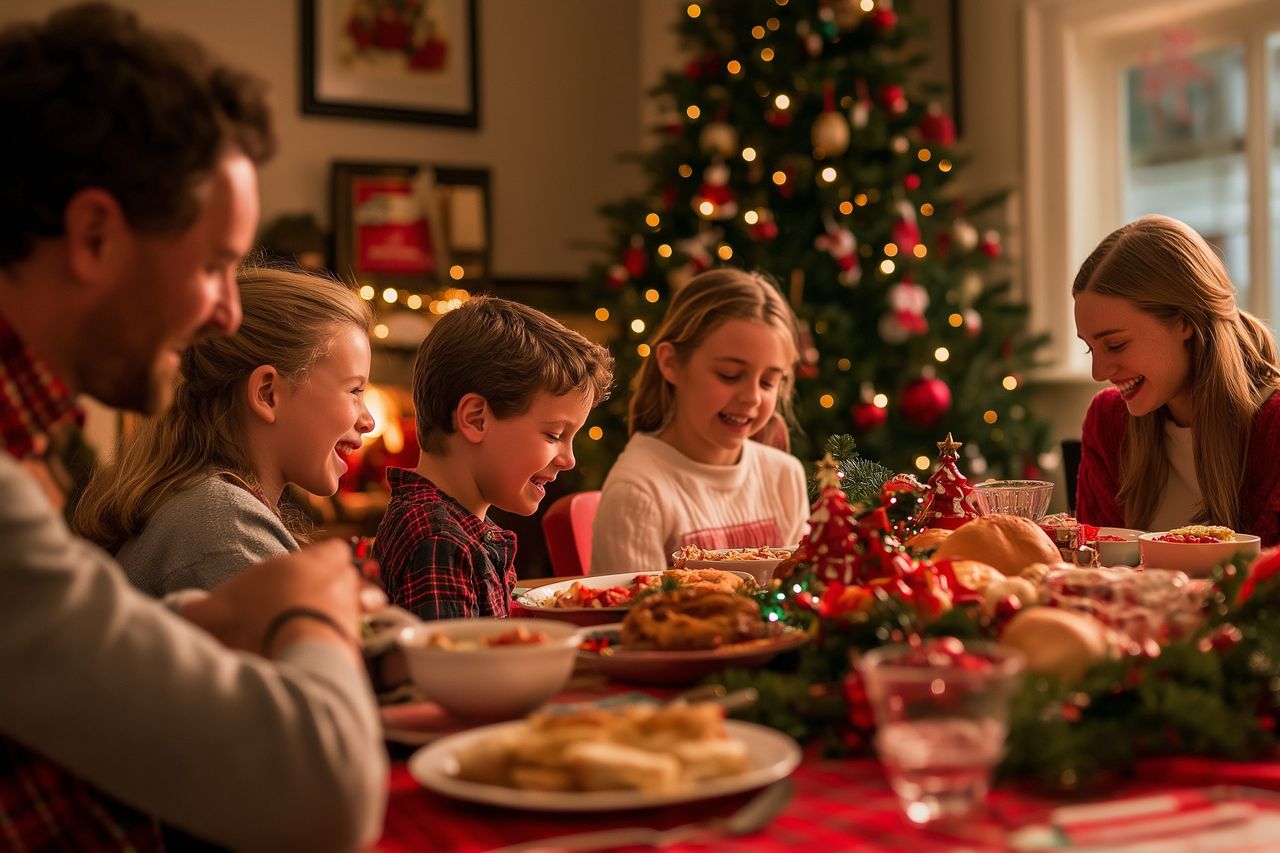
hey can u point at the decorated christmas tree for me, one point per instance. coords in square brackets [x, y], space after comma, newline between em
[948, 498]
[796, 141]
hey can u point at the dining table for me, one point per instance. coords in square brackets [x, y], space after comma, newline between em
[838, 803]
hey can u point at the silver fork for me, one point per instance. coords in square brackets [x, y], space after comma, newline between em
[754, 815]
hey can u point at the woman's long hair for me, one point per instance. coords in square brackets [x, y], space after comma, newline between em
[290, 321]
[706, 302]
[1165, 268]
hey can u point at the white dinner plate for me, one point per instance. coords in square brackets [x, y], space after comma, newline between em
[538, 601]
[771, 756]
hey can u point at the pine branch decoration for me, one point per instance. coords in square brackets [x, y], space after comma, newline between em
[860, 479]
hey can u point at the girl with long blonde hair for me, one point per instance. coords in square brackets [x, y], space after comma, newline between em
[721, 370]
[194, 497]
[1188, 429]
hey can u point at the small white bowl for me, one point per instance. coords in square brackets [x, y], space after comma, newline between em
[1197, 559]
[761, 570]
[490, 682]
[1126, 553]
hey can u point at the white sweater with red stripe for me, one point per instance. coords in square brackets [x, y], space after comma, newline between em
[656, 500]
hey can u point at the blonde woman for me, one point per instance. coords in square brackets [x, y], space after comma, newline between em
[194, 498]
[1187, 431]
[722, 370]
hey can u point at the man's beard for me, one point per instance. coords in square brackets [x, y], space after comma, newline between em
[129, 384]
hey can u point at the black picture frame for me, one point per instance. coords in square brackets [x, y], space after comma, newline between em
[315, 59]
[445, 183]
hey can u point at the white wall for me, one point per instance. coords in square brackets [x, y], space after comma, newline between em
[991, 77]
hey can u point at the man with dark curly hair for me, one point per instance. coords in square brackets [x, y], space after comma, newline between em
[242, 716]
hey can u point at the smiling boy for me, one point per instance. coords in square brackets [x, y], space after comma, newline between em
[500, 391]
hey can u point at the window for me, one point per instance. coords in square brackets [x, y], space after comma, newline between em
[1144, 107]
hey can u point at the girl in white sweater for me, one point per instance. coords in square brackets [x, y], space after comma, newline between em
[721, 372]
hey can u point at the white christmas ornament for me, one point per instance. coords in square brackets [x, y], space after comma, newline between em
[908, 297]
[860, 113]
[965, 235]
[719, 138]
[971, 287]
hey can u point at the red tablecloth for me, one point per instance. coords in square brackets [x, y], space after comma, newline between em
[838, 805]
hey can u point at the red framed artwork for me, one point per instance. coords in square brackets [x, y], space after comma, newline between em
[410, 223]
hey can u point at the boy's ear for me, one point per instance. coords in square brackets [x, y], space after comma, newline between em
[263, 393]
[472, 418]
[668, 361]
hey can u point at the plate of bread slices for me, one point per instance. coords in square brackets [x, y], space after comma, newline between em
[594, 759]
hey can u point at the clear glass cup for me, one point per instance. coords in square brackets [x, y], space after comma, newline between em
[1027, 498]
[942, 713]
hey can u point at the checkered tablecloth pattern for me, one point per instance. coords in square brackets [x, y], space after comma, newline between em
[839, 805]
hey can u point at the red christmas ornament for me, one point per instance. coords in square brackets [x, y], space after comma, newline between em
[893, 98]
[937, 127]
[778, 118]
[990, 244]
[911, 182]
[616, 277]
[925, 401]
[868, 416]
[634, 258]
[884, 19]
[764, 228]
[907, 235]
[949, 499]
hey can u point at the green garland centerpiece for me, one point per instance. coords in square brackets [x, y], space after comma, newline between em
[1212, 691]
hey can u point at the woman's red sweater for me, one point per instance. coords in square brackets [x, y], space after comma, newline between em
[1103, 443]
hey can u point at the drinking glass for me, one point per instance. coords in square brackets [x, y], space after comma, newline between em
[942, 713]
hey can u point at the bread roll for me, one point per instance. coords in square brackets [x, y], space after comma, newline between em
[929, 539]
[1058, 643]
[975, 575]
[1007, 542]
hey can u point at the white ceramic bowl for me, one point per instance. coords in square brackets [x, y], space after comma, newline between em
[1126, 553]
[494, 682]
[761, 570]
[1197, 559]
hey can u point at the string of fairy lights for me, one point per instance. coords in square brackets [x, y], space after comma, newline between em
[439, 304]
[722, 139]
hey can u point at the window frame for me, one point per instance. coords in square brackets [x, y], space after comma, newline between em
[1073, 54]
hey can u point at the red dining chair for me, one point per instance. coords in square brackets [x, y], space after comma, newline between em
[567, 528]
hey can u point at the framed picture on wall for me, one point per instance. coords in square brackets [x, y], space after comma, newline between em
[410, 224]
[393, 60]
